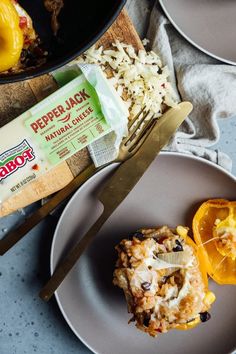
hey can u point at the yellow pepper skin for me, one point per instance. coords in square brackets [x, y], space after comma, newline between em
[11, 36]
[186, 326]
[211, 218]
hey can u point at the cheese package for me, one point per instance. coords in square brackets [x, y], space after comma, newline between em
[70, 119]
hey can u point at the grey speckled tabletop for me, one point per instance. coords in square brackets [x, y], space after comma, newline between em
[28, 325]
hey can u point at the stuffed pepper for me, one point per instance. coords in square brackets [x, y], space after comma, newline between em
[160, 271]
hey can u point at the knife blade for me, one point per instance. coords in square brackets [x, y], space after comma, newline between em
[119, 186]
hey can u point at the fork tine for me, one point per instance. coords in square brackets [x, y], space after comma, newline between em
[132, 122]
[139, 139]
[144, 137]
[139, 121]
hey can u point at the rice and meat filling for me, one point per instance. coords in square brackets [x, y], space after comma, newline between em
[159, 273]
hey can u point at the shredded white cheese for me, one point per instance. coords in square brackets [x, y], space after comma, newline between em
[184, 258]
[158, 264]
[143, 274]
[139, 77]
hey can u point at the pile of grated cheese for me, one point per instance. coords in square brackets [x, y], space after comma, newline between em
[139, 77]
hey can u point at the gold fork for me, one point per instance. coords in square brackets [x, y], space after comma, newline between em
[139, 129]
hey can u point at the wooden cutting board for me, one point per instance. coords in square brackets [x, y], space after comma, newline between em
[18, 97]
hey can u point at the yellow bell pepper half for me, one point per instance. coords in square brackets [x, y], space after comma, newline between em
[11, 36]
[214, 229]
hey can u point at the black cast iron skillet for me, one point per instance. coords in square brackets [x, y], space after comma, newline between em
[82, 23]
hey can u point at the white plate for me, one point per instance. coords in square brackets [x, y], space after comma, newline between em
[169, 193]
[210, 25]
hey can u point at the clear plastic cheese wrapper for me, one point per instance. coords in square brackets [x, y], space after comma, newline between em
[81, 112]
[106, 148]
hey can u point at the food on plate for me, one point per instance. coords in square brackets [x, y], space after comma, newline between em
[214, 228]
[19, 44]
[54, 6]
[164, 280]
[139, 77]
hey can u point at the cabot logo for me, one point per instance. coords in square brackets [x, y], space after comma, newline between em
[15, 158]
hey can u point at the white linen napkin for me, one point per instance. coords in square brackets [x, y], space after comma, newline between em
[209, 84]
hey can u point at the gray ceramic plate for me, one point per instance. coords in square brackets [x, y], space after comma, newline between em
[169, 193]
[210, 25]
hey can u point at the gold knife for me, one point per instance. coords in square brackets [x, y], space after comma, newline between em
[118, 187]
